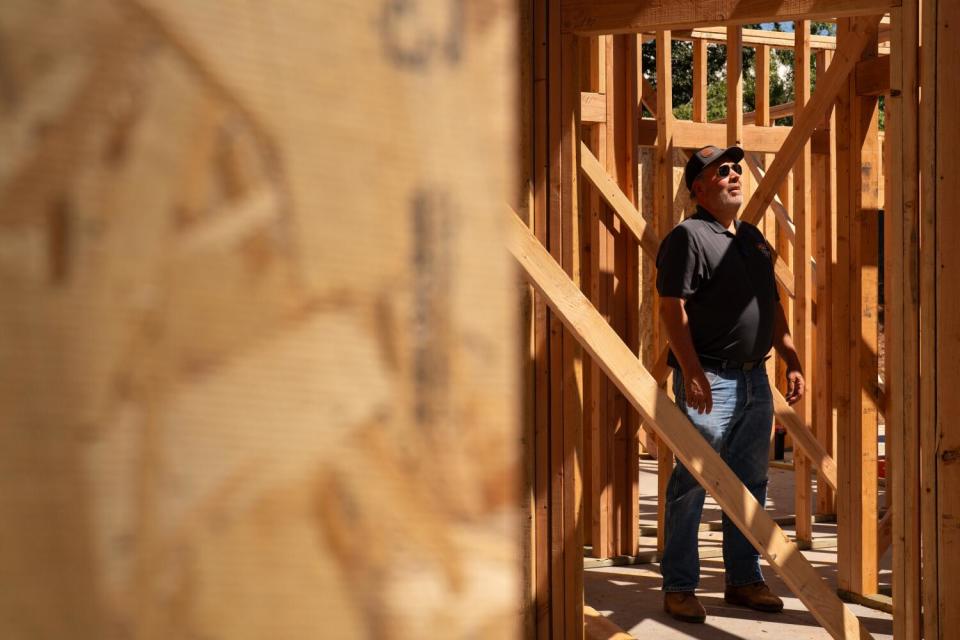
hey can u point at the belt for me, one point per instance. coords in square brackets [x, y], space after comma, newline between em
[719, 363]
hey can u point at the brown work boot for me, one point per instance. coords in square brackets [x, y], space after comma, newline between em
[684, 606]
[756, 596]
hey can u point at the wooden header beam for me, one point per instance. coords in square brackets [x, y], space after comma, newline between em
[693, 135]
[625, 371]
[595, 17]
[756, 37]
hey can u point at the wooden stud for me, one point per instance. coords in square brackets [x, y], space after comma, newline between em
[572, 375]
[588, 278]
[558, 578]
[864, 238]
[664, 215]
[858, 519]
[932, 82]
[762, 113]
[841, 324]
[597, 500]
[528, 335]
[762, 118]
[803, 316]
[824, 171]
[699, 80]
[616, 275]
[543, 613]
[630, 534]
[785, 251]
[901, 321]
[947, 442]
[734, 86]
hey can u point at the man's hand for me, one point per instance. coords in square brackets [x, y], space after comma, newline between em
[698, 391]
[795, 386]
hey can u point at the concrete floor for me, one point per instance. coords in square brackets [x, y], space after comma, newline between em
[630, 596]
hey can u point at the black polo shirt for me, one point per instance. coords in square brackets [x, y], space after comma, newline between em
[727, 282]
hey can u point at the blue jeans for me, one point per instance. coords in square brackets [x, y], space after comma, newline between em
[738, 428]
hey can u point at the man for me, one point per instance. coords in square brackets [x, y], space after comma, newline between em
[721, 311]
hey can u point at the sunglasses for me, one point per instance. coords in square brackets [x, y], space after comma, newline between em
[724, 170]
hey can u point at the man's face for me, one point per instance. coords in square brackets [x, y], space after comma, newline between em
[715, 192]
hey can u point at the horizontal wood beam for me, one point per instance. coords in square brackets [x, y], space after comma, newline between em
[873, 76]
[776, 112]
[624, 370]
[693, 135]
[760, 37]
[596, 17]
[593, 107]
[756, 37]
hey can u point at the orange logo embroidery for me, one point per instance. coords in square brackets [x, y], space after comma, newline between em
[706, 153]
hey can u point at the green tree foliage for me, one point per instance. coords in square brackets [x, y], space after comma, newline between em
[781, 74]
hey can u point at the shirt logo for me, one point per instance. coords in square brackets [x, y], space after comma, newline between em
[764, 248]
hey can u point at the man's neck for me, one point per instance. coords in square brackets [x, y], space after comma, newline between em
[725, 218]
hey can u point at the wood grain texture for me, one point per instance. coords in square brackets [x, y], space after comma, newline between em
[931, 80]
[665, 219]
[841, 313]
[803, 252]
[901, 322]
[825, 205]
[947, 232]
[253, 396]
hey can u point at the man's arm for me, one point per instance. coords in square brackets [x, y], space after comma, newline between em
[783, 343]
[675, 320]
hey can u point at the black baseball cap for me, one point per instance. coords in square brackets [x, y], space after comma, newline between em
[707, 156]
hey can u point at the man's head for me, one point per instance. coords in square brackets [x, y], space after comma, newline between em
[713, 177]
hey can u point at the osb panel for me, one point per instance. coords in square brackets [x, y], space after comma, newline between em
[256, 322]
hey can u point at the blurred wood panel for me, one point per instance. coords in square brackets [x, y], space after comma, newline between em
[246, 391]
